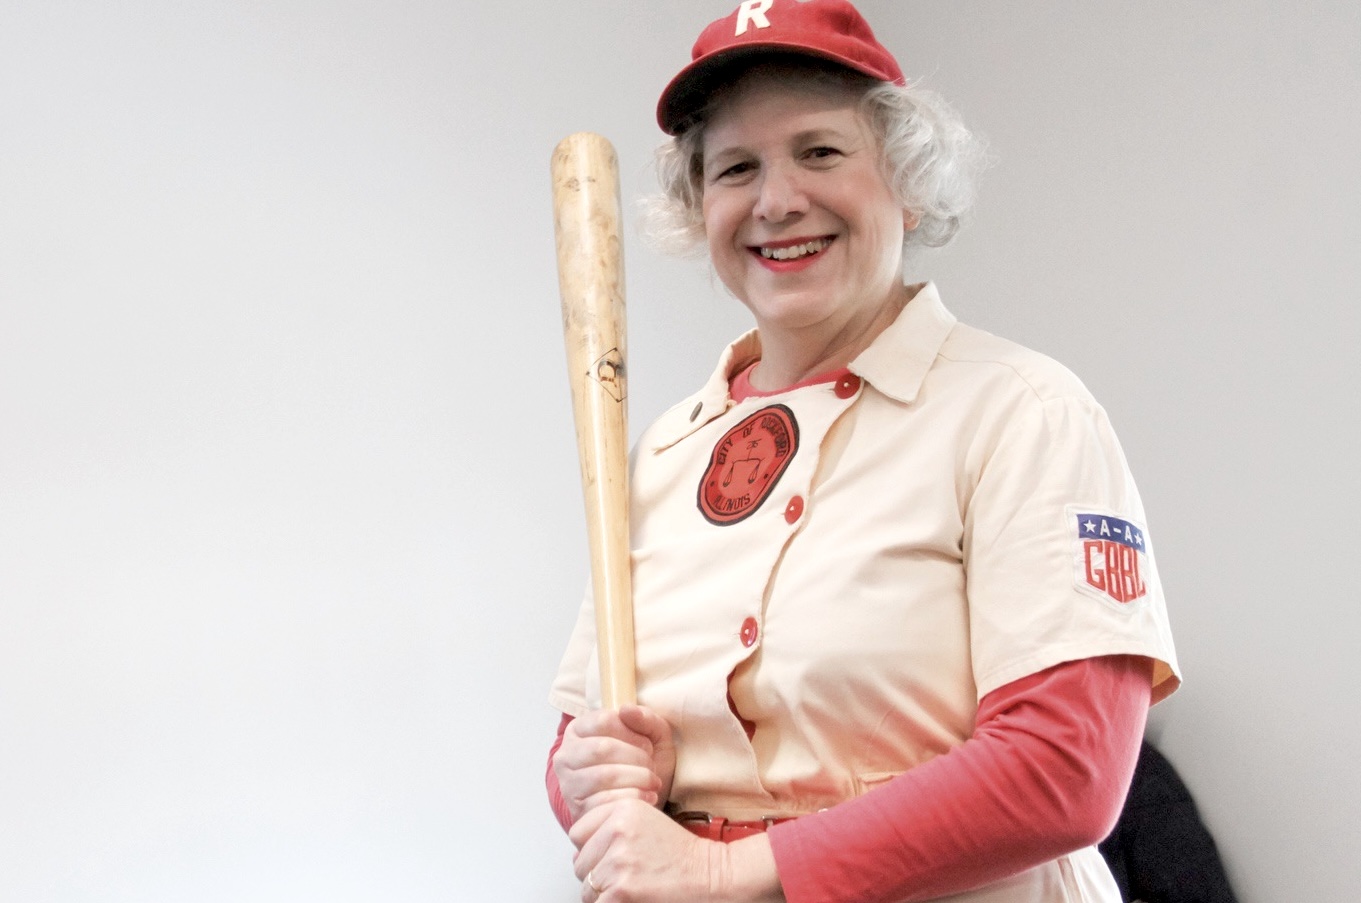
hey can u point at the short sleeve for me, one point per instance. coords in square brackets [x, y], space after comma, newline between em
[1058, 557]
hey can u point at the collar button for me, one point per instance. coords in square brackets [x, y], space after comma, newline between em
[847, 386]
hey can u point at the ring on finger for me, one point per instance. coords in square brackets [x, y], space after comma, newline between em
[590, 882]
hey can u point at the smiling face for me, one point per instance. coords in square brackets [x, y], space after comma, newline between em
[800, 223]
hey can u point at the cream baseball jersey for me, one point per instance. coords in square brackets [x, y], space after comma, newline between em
[859, 562]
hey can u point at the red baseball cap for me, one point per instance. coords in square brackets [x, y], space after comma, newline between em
[830, 29]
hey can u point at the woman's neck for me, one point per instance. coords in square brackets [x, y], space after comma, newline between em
[790, 356]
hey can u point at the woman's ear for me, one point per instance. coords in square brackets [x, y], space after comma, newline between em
[910, 220]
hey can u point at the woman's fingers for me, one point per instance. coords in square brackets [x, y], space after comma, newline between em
[634, 852]
[611, 723]
[607, 756]
[647, 723]
[632, 781]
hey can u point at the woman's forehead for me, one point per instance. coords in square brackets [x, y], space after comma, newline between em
[772, 105]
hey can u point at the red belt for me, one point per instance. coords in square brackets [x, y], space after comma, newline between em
[722, 829]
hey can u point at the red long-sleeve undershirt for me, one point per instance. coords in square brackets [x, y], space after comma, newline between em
[1044, 773]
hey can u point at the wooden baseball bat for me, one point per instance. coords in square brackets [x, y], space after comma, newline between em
[586, 216]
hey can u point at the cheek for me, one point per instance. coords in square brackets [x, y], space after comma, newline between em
[890, 222]
[718, 225]
[711, 211]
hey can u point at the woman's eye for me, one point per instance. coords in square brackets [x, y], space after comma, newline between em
[822, 153]
[736, 170]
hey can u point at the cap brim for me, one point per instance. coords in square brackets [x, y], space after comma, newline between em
[690, 89]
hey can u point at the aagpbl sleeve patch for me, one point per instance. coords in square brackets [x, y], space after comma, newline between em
[1110, 556]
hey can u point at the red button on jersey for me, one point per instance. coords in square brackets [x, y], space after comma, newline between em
[847, 386]
[749, 632]
[793, 509]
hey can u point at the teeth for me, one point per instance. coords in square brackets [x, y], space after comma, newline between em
[795, 251]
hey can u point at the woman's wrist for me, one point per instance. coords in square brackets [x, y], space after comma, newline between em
[750, 875]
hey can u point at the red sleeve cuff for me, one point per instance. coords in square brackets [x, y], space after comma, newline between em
[555, 799]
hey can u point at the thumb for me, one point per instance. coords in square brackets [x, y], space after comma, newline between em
[647, 722]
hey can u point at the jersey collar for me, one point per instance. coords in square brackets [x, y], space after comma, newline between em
[710, 401]
[895, 364]
[898, 360]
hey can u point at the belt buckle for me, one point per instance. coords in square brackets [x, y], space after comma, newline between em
[714, 827]
[707, 819]
[692, 816]
[718, 825]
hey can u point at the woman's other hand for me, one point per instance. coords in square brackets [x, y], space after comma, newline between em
[630, 851]
[609, 755]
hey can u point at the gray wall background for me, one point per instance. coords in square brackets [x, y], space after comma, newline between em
[290, 530]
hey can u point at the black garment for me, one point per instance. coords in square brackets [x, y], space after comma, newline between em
[1160, 850]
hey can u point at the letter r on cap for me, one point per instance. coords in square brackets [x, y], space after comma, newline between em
[753, 12]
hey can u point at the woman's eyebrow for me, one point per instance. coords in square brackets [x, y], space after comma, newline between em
[807, 136]
[823, 133]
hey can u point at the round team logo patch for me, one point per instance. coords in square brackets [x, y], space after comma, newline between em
[746, 464]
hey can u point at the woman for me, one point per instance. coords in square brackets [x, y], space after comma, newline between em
[898, 624]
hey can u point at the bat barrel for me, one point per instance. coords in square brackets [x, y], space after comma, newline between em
[591, 281]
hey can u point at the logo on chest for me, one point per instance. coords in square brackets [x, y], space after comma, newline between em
[746, 464]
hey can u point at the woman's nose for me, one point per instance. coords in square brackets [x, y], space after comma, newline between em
[780, 195]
